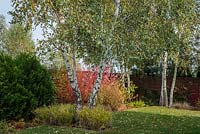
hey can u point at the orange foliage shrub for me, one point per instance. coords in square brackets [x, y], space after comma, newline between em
[122, 107]
[59, 78]
[111, 95]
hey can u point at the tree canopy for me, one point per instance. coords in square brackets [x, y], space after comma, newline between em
[101, 31]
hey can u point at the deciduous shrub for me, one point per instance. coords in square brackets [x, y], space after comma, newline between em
[85, 82]
[122, 107]
[111, 95]
[137, 104]
[95, 118]
[130, 93]
[60, 80]
[24, 85]
[56, 114]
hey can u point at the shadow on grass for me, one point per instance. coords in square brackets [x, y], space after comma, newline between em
[55, 130]
[134, 122]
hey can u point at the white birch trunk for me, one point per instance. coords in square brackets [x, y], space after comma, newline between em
[117, 7]
[123, 80]
[161, 92]
[123, 74]
[173, 86]
[128, 79]
[71, 74]
[165, 79]
[95, 90]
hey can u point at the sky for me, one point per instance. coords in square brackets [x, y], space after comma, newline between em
[5, 7]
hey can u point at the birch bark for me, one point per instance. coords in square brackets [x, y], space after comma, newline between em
[71, 74]
[165, 79]
[95, 90]
[173, 86]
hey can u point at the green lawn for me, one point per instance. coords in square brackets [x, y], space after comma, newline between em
[148, 120]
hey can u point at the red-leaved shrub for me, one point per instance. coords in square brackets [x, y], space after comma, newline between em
[86, 80]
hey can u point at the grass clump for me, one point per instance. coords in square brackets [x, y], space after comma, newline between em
[137, 104]
[56, 114]
[95, 118]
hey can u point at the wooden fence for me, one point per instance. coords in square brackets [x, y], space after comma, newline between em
[188, 86]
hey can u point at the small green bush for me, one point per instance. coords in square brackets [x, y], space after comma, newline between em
[56, 114]
[137, 104]
[130, 92]
[95, 118]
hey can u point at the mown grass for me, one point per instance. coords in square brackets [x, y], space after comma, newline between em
[148, 120]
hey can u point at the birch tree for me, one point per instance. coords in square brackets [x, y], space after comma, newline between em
[184, 21]
[166, 31]
[2, 30]
[67, 26]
